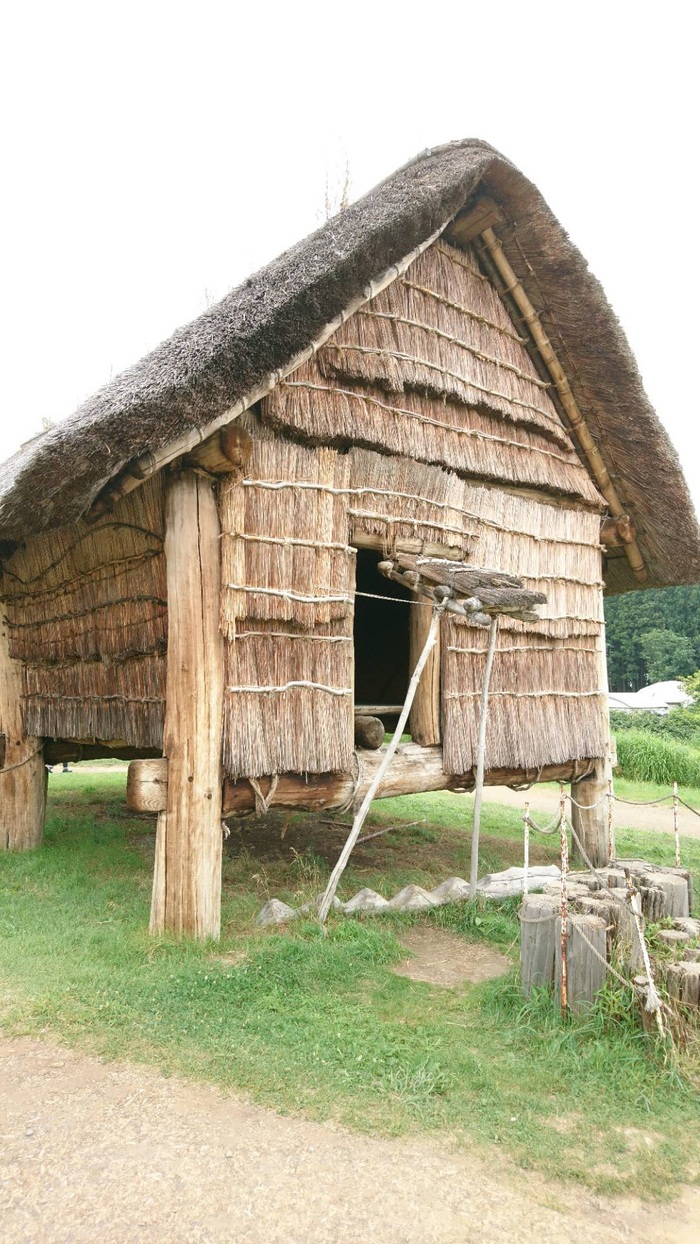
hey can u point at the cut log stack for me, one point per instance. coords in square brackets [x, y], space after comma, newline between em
[601, 929]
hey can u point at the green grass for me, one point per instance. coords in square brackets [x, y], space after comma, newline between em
[644, 757]
[320, 1024]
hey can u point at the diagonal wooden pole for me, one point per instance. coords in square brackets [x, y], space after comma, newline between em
[359, 821]
[480, 757]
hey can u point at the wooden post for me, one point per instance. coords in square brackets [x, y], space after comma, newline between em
[187, 874]
[22, 769]
[590, 818]
[585, 970]
[424, 721]
[590, 821]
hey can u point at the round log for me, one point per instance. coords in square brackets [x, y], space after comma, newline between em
[147, 785]
[369, 732]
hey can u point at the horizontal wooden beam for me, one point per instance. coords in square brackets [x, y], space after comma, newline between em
[616, 532]
[413, 771]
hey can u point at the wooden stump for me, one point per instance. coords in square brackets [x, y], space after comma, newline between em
[23, 774]
[369, 732]
[683, 983]
[538, 920]
[147, 786]
[585, 971]
[187, 875]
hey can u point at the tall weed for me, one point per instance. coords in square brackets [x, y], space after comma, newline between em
[644, 757]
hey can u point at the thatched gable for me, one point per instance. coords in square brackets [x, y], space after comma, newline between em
[259, 330]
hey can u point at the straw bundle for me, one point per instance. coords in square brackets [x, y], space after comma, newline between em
[97, 700]
[545, 704]
[401, 499]
[282, 542]
[86, 611]
[432, 368]
[442, 330]
[301, 728]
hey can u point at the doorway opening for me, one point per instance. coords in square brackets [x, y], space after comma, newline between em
[381, 637]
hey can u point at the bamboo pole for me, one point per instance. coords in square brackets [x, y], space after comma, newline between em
[566, 397]
[526, 847]
[361, 817]
[480, 757]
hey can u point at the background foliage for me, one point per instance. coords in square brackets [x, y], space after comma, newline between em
[652, 636]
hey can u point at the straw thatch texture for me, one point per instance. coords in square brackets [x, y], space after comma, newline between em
[545, 704]
[433, 368]
[307, 729]
[261, 329]
[399, 499]
[280, 537]
[86, 611]
[441, 329]
[287, 544]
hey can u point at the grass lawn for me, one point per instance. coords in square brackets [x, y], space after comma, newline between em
[320, 1024]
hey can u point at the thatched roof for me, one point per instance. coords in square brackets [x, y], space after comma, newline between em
[258, 328]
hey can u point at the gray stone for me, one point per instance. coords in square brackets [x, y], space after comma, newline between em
[275, 912]
[315, 906]
[411, 898]
[365, 900]
[450, 891]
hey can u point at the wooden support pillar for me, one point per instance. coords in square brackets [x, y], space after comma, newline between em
[591, 820]
[187, 875]
[22, 769]
[424, 722]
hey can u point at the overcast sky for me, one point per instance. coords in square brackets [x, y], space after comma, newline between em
[156, 153]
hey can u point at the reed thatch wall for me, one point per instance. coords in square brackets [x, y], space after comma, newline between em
[433, 368]
[286, 613]
[86, 610]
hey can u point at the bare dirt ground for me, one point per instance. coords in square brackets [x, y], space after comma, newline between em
[544, 799]
[442, 958]
[93, 1151]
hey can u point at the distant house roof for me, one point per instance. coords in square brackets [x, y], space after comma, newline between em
[259, 329]
[658, 697]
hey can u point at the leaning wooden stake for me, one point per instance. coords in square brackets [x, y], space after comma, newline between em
[187, 876]
[22, 769]
[564, 846]
[676, 831]
[359, 820]
[480, 757]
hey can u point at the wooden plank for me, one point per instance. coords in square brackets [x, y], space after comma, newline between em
[23, 774]
[187, 876]
[424, 721]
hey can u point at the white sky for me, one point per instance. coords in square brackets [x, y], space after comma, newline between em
[154, 154]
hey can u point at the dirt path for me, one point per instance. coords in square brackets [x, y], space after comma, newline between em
[93, 1151]
[544, 799]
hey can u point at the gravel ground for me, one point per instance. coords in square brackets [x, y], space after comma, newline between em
[120, 1155]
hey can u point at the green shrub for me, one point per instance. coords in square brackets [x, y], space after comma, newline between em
[645, 757]
[680, 723]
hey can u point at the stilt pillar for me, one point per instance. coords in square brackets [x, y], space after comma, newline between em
[187, 874]
[22, 769]
[589, 815]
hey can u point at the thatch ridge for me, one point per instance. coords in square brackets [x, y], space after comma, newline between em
[206, 366]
